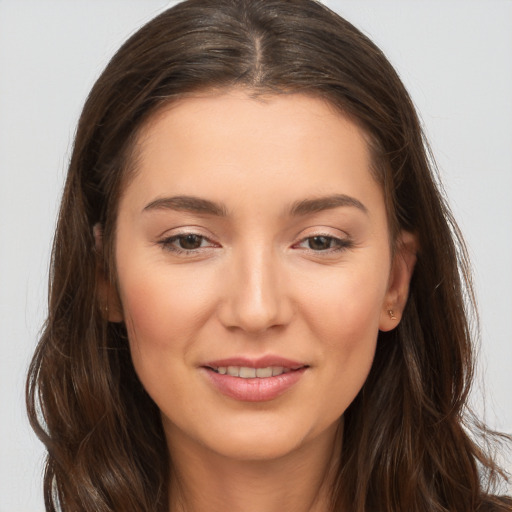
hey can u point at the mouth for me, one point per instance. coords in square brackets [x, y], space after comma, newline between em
[247, 372]
[251, 380]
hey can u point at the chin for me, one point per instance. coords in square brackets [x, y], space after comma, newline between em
[260, 446]
[250, 438]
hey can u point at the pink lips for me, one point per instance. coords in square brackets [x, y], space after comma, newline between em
[258, 389]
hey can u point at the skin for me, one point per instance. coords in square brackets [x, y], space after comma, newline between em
[259, 283]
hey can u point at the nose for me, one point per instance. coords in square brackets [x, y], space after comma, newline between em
[255, 297]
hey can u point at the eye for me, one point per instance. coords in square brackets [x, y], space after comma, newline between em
[186, 242]
[323, 243]
[189, 242]
[320, 243]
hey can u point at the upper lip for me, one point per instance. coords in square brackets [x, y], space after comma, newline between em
[260, 362]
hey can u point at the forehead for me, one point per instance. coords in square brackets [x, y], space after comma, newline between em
[227, 143]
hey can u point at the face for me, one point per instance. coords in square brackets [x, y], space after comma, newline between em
[254, 271]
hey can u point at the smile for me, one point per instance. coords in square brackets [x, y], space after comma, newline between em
[258, 380]
[246, 372]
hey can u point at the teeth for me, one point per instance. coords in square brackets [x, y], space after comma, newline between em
[246, 372]
[234, 371]
[264, 372]
[277, 370]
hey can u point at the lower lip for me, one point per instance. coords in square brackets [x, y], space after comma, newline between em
[257, 389]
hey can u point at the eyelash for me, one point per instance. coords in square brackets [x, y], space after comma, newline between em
[340, 245]
[167, 243]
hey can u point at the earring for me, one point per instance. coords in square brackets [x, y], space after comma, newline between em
[391, 314]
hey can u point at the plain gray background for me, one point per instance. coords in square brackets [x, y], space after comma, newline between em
[455, 58]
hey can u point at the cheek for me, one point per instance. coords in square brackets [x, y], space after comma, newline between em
[163, 313]
[162, 309]
[351, 331]
[346, 305]
[343, 312]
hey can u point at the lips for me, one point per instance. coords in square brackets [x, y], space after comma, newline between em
[255, 380]
[246, 372]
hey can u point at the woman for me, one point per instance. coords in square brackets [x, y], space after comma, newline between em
[257, 294]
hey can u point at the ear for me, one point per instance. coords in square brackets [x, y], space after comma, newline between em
[108, 298]
[402, 268]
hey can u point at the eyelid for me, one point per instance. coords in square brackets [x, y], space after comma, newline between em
[343, 240]
[321, 230]
[185, 229]
[166, 241]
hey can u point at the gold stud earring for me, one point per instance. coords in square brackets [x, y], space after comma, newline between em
[391, 314]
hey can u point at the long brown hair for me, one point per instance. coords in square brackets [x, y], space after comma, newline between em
[407, 441]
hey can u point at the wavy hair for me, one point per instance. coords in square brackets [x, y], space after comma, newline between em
[408, 441]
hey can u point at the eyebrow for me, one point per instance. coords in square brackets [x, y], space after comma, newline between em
[187, 204]
[299, 208]
[314, 205]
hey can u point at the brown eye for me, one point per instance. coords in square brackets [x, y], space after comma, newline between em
[324, 245]
[320, 243]
[190, 242]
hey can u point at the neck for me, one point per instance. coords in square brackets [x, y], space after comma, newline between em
[300, 481]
